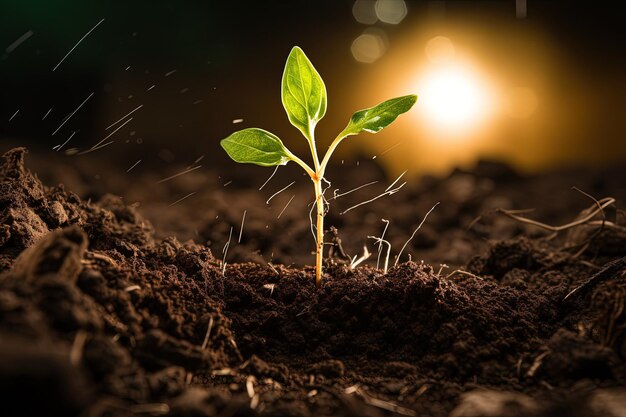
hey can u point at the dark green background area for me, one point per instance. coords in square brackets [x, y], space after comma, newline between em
[228, 56]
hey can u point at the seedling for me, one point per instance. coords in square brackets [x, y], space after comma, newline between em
[304, 97]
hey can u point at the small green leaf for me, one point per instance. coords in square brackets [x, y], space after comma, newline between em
[303, 93]
[376, 118]
[256, 146]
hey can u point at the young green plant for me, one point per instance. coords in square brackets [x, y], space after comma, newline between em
[304, 97]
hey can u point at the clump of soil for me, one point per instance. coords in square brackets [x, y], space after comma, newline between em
[99, 317]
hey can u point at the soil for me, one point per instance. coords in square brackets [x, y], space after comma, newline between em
[114, 309]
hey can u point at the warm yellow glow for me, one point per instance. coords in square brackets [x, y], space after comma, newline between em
[453, 98]
[521, 102]
[487, 89]
[439, 49]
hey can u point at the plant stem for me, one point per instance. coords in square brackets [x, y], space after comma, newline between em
[319, 200]
[317, 175]
[313, 148]
[304, 165]
[331, 149]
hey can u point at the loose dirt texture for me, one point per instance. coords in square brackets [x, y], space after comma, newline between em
[98, 317]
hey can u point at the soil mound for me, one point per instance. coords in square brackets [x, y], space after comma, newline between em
[98, 317]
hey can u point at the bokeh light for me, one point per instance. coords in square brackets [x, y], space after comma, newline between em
[439, 49]
[364, 11]
[369, 46]
[391, 11]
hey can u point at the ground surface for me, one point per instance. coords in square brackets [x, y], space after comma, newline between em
[104, 313]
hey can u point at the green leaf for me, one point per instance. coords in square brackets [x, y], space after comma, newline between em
[256, 146]
[376, 118]
[303, 93]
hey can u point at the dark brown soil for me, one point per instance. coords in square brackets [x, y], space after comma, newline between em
[101, 315]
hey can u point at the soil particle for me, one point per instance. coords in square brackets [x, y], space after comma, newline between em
[331, 368]
[261, 369]
[573, 357]
[100, 316]
[157, 349]
[60, 253]
[167, 382]
[199, 402]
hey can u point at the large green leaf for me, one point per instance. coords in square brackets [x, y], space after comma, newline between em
[256, 146]
[376, 118]
[303, 93]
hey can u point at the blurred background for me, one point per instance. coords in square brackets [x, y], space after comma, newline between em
[538, 84]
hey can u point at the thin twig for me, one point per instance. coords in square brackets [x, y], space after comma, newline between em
[77, 43]
[243, 219]
[225, 251]
[90, 150]
[58, 147]
[380, 246]
[384, 405]
[69, 116]
[286, 205]
[19, 41]
[607, 271]
[124, 117]
[47, 113]
[397, 179]
[603, 203]
[336, 196]
[112, 133]
[205, 342]
[270, 177]
[280, 191]
[182, 198]
[380, 241]
[414, 232]
[356, 262]
[462, 272]
[386, 193]
[391, 148]
[179, 174]
[134, 165]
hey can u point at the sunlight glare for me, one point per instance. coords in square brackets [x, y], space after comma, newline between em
[521, 102]
[439, 49]
[453, 97]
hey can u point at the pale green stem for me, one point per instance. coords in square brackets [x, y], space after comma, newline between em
[313, 147]
[319, 248]
[316, 176]
[303, 164]
[331, 149]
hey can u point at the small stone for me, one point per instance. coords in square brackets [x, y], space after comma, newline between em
[485, 403]
[58, 215]
[331, 368]
[157, 348]
[168, 381]
[59, 252]
[398, 369]
[609, 402]
[261, 369]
